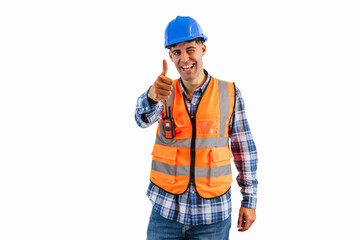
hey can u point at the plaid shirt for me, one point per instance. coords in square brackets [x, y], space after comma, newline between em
[190, 208]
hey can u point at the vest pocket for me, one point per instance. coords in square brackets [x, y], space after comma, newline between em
[182, 121]
[220, 154]
[164, 164]
[220, 166]
[182, 126]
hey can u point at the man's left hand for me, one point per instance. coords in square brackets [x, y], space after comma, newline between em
[247, 217]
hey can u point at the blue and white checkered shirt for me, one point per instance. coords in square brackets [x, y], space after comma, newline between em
[189, 207]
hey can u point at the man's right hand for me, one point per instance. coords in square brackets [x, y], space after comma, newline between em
[161, 89]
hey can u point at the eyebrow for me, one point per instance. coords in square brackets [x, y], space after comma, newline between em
[177, 50]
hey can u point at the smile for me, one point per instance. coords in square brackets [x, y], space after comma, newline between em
[187, 67]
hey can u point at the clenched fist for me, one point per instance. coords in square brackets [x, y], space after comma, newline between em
[161, 89]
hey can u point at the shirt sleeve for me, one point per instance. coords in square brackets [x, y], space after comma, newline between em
[244, 151]
[145, 113]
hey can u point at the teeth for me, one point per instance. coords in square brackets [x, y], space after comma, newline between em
[188, 66]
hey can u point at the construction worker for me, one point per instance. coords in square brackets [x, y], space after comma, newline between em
[191, 170]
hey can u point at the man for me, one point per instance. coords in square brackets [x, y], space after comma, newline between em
[191, 170]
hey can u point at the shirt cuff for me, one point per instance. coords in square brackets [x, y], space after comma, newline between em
[249, 202]
[144, 106]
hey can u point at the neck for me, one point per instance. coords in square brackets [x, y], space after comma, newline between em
[191, 86]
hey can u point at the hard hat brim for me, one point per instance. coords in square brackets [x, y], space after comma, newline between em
[184, 39]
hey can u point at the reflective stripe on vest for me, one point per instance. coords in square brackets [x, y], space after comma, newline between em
[200, 150]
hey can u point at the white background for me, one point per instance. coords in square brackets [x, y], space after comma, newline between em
[73, 162]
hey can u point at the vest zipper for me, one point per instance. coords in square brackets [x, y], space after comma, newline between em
[192, 150]
[193, 137]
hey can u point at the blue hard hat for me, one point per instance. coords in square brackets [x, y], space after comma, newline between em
[182, 29]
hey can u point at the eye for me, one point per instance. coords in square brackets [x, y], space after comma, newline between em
[176, 53]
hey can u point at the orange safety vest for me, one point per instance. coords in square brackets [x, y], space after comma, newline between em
[199, 151]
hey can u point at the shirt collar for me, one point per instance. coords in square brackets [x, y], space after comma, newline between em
[201, 88]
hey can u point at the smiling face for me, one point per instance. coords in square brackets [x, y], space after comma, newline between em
[187, 57]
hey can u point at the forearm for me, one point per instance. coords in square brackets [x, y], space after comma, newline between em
[245, 159]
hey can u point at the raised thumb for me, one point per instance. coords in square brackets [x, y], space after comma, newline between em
[165, 68]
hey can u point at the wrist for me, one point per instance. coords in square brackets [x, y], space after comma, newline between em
[150, 100]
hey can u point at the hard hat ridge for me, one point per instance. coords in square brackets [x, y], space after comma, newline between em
[182, 29]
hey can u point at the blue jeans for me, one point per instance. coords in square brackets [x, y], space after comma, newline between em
[162, 228]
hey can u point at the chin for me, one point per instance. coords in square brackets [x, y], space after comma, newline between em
[187, 77]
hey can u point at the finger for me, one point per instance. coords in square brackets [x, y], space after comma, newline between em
[165, 79]
[245, 227]
[160, 97]
[165, 68]
[240, 221]
[164, 84]
[161, 93]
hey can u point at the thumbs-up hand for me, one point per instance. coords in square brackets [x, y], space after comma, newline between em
[161, 89]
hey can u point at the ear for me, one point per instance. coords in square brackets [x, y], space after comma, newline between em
[203, 49]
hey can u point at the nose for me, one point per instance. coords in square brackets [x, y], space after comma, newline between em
[184, 57]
